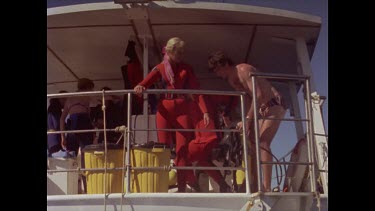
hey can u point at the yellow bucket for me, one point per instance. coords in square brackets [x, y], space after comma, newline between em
[146, 181]
[94, 158]
[142, 181]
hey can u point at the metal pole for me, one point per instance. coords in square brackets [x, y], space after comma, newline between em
[256, 131]
[152, 168]
[310, 136]
[190, 130]
[286, 119]
[157, 168]
[80, 131]
[150, 91]
[105, 151]
[123, 164]
[128, 144]
[244, 140]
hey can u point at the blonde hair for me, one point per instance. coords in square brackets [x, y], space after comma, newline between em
[173, 44]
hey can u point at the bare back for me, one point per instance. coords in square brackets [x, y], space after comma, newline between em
[265, 91]
[77, 105]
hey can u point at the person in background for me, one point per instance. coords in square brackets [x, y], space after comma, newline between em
[268, 99]
[53, 124]
[173, 109]
[114, 118]
[78, 109]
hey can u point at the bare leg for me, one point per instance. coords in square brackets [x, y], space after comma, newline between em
[268, 129]
[266, 168]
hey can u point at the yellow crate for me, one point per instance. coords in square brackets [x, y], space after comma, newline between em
[146, 181]
[94, 158]
[142, 181]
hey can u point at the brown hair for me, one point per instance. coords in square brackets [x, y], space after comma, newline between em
[85, 84]
[218, 58]
[105, 88]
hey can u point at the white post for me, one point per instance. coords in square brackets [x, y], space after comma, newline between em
[320, 138]
[321, 141]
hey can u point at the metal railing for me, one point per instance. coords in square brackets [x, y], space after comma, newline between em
[129, 130]
[309, 120]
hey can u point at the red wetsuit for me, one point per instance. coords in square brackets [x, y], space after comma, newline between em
[201, 147]
[173, 111]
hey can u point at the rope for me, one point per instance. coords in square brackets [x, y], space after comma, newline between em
[250, 205]
[318, 203]
[119, 139]
[167, 168]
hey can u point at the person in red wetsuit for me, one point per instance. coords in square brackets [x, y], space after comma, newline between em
[200, 148]
[173, 109]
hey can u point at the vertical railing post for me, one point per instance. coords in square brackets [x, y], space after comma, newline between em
[128, 131]
[244, 141]
[256, 131]
[105, 150]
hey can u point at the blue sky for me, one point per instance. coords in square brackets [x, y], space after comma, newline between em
[319, 60]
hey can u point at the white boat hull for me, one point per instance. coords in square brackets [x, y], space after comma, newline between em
[187, 202]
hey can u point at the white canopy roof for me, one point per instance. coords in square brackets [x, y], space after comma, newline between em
[89, 40]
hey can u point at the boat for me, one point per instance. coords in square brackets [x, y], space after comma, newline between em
[88, 40]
